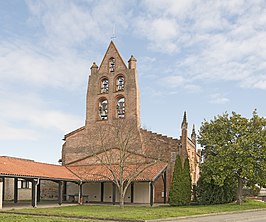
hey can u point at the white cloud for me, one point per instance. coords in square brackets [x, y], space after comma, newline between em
[214, 40]
[25, 63]
[218, 98]
[29, 111]
[161, 32]
[70, 23]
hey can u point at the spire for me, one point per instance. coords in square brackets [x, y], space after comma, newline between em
[193, 135]
[132, 62]
[94, 68]
[184, 123]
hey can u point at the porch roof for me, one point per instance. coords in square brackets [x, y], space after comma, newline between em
[101, 172]
[11, 166]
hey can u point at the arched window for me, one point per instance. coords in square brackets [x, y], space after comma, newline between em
[104, 86]
[112, 64]
[120, 108]
[120, 83]
[103, 109]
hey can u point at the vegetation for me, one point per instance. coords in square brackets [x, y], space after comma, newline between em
[28, 218]
[140, 212]
[180, 191]
[211, 193]
[234, 149]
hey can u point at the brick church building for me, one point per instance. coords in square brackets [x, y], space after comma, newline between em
[109, 150]
[113, 95]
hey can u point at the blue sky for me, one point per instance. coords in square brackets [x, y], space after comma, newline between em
[205, 57]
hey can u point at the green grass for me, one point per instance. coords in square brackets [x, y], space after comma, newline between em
[23, 218]
[141, 212]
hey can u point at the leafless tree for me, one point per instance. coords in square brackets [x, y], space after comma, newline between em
[119, 149]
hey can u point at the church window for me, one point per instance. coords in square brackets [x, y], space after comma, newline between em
[104, 86]
[111, 64]
[120, 83]
[120, 108]
[103, 109]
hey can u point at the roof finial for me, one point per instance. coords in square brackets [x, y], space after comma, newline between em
[113, 37]
[184, 122]
[185, 117]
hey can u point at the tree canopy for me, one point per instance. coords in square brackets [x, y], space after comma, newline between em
[234, 148]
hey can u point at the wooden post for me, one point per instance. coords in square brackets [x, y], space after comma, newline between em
[102, 191]
[164, 187]
[3, 193]
[39, 192]
[15, 190]
[114, 194]
[33, 193]
[60, 192]
[151, 194]
[132, 192]
[80, 201]
[65, 191]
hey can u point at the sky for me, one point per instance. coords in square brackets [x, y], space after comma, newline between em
[205, 57]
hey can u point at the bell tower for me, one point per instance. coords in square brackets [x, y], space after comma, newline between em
[113, 91]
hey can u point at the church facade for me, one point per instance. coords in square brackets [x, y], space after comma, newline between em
[109, 158]
[113, 96]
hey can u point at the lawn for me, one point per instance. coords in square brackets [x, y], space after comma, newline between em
[23, 218]
[141, 212]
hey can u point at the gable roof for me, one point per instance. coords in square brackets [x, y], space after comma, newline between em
[100, 172]
[17, 167]
[107, 51]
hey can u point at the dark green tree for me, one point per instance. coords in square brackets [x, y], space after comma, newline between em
[175, 193]
[180, 191]
[234, 149]
[187, 185]
[211, 193]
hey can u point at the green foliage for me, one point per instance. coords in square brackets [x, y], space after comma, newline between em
[211, 193]
[180, 191]
[234, 148]
[187, 185]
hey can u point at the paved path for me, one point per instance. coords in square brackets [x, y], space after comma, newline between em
[246, 216]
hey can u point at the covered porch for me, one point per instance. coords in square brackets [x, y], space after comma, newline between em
[21, 181]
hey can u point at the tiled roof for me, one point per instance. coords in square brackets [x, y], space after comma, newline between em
[28, 168]
[100, 172]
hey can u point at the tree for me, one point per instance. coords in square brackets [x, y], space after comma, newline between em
[210, 193]
[180, 191]
[187, 185]
[176, 192]
[119, 150]
[234, 148]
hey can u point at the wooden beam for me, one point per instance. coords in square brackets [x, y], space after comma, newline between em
[164, 187]
[60, 192]
[39, 192]
[64, 190]
[102, 191]
[3, 194]
[15, 190]
[114, 194]
[132, 192]
[33, 193]
[151, 194]
[80, 201]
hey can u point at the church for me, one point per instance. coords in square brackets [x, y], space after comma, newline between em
[111, 157]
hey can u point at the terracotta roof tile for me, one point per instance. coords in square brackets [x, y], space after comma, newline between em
[102, 173]
[28, 168]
